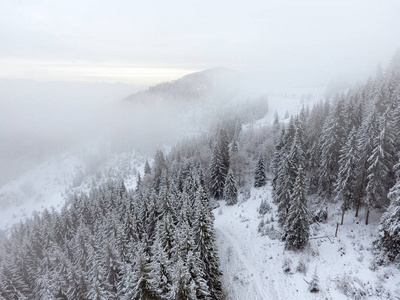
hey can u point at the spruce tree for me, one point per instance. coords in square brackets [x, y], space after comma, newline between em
[388, 242]
[196, 271]
[219, 165]
[159, 167]
[161, 268]
[217, 176]
[345, 182]
[230, 189]
[184, 286]
[292, 159]
[206, 246]
[297, 227]
[147, 169]
[380, 165]
[260, 179]
[331, 141]
[144, 281]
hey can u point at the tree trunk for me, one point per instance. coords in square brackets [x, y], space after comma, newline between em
[341, 223]
[358, 205]
[360, 196]
[343, 210]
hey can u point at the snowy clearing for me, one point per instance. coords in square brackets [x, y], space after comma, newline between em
[253, 264]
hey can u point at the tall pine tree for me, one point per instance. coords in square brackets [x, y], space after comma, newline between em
[297, 226]
[260, 179]
[230, 189]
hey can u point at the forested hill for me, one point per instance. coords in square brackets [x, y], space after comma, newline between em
[348, 150]
[114, 243]
[153, 243]
[158, 241]
[213, 84]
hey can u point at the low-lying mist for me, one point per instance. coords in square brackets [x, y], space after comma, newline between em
[41, 119]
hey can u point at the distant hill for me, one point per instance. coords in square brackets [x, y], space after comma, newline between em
[211, 84]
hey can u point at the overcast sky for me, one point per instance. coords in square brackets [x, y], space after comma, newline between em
[145, 42]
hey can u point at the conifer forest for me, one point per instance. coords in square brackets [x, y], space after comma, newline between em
[158, 241]
[200, 150]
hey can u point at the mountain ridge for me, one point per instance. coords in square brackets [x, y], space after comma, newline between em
[210, 83]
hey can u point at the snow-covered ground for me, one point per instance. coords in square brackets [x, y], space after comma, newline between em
[252, 264]
[41, 187]
[48, 184]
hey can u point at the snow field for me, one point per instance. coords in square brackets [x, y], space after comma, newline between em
[253, 264]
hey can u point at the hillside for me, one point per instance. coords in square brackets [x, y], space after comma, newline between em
[256, 265]
[209, 85]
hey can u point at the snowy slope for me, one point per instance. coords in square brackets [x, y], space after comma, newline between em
[49, 184]
[279, 102]
[38, 188]
[253, 264]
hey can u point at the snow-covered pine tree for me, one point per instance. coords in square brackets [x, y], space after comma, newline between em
[260, 179]
[219, 164]
[98, 288]
[230, 189]
[276, 164]
[144, 282]
[312, 153]
[184, 287]
[217, 176]
[166, 235]
[388, 242]
[344, 186]
[147, 169]
[293, 160]
[161, 268]
[364, 148]
[234, 146]
[332, 140]
[158, 168]
[206, 245]
[282, 182]
[297, 226]
[380, 165]
[223, 145]
[194, 265]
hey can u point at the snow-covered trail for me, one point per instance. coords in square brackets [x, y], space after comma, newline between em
[239, 262]
[249, 267]
[252, 263]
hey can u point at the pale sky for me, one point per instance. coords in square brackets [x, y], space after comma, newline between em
[146, 42]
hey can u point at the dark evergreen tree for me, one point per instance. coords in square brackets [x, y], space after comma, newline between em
[161, 268]
[292, 160]
[388, 242]
[144, 282]
[195, 269]
[260, 178]
[230, 189]
[205, 245]
[159, 167]
[380, 164]
[184, 285]
[297, 227]
[219, 164]
[147, 169]
[217, 176]
[332, 140]
[346, 178]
